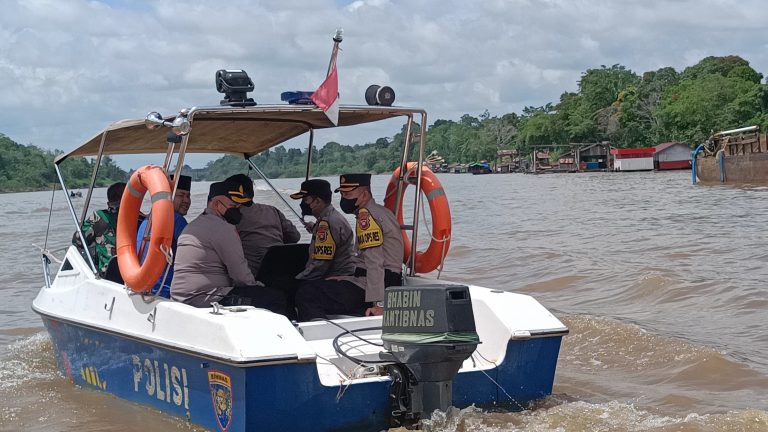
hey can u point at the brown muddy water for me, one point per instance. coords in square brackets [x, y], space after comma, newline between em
[664, 286]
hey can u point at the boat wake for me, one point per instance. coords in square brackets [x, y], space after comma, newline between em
[559, 415]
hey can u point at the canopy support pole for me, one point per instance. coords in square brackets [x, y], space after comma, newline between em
[74, 219]
[417, 203]
[93, 178]
[309, 153]
[274, 189]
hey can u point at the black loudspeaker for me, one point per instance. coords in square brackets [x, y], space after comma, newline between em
[378, 95]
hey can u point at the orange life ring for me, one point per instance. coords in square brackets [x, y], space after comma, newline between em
[141, 277]
[431, 258]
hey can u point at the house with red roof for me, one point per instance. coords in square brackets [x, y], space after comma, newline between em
[633, 159]
[672, 156]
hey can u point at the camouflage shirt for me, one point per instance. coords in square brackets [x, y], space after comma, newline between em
[99, 232]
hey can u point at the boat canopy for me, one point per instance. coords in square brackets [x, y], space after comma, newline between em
[235, 130]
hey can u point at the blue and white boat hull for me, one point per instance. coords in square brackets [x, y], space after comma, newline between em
[249, 369]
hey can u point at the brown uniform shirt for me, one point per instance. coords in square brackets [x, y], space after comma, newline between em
[209, 261]
[331, 249]
[262, 227]
[380, 245]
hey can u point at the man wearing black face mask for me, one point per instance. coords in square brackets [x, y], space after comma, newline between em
[210, 265]
[327, 284]
[379, 239]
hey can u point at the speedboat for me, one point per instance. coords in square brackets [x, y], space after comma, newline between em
[438, 344]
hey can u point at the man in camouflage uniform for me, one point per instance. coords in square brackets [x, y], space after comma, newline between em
[99, 230]
[327, 286]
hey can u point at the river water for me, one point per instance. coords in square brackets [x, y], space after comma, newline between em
[664, 286]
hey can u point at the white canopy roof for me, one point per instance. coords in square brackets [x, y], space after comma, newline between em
[247, 131]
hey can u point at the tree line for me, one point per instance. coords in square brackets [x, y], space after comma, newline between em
[612, 103]
[29, 168]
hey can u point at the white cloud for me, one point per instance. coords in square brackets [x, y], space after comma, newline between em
[69, 68]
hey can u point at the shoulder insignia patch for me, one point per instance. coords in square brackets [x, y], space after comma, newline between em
[369, 233]
[324, 245]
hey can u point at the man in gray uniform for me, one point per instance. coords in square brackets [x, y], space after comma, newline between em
[262, 227]
[327, 284]
[210, 266]
[379, 239]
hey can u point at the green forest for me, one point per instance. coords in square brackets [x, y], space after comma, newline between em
[28, 168]
[612, 103]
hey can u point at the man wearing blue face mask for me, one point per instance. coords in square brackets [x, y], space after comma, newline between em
[210, 265]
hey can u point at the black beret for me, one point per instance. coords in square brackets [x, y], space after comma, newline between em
[115, 192]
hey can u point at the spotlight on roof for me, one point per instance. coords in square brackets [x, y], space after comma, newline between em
[235, 85]
[180, 125]
[378, 95]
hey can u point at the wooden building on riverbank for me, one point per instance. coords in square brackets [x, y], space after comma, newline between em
[586, 157]
[672, 156]
[633, 159]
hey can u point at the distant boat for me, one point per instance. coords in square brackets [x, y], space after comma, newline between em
[480, 168]
[732, 156]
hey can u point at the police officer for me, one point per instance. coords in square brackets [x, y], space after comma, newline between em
[262, 227]
[210, 265]
[327, 285]
[379, 239]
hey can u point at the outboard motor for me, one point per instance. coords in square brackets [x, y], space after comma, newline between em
[429, 332]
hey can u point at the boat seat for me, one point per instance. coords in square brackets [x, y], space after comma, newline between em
[281, 262]
[112, 273]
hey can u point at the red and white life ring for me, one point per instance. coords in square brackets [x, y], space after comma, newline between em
[141, 277]
[432, 258]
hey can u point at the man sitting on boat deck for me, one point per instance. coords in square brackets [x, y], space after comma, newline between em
[99, 230]
[262, 226]
[327, 284]
[210, 265]
[181, 203]
[379, 239]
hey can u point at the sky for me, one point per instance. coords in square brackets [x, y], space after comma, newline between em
[68, 68]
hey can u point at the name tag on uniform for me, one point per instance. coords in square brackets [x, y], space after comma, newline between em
[369, 232]
[325, 246]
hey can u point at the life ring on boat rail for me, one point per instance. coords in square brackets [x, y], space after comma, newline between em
[434, 256]
[141, 277]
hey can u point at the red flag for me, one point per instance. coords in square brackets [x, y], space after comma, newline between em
[326, 97]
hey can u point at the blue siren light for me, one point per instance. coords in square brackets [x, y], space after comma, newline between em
[297, 97]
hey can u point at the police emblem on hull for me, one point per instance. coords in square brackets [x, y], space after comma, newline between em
[220, 384]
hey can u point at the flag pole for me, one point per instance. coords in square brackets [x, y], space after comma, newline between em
[326, 97]
[336, 41]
